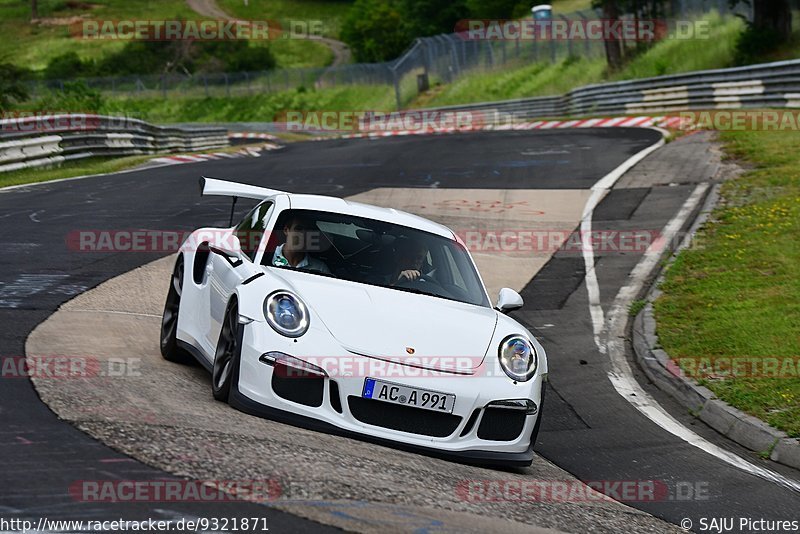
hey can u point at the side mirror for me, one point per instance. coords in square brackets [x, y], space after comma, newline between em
[508, 300]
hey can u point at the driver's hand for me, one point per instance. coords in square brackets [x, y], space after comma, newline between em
[410, 275]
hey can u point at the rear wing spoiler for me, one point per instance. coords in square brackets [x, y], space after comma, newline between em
[216, 187]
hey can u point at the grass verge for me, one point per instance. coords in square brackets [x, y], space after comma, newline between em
[670, 56]
[71, 169]
[255, 108]
[34, 45]
[737, 294]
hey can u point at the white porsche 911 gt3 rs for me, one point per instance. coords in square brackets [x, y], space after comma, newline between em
[356, 320]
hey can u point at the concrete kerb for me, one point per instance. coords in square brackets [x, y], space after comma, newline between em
[744, 429]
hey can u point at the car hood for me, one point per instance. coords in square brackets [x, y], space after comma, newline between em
[389, 324]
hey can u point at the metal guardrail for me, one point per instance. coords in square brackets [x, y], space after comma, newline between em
[767, 85]
[47, 140]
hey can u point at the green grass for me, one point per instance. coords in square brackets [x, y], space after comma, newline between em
[293, 53]
[568, 6]
[676, 55]
[737, 294]
[545, 79]
[330, 12]
[72, 169]
[264, 107]
[636, 306]
[530, 80]
[34, 45]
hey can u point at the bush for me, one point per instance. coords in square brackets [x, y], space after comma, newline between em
[380, 30]
[68, 65]
[76, 96]
[755, 43]
[187, 57]
[12, 87]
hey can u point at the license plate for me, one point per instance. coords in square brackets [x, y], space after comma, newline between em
[381, 390]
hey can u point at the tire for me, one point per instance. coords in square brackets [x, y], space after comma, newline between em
[169, 320]
[226, 357]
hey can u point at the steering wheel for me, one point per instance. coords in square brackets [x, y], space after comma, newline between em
[425, 282]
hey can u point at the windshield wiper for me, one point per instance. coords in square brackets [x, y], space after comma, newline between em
[420, 292]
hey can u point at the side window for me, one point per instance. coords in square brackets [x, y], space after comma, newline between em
[251, 229]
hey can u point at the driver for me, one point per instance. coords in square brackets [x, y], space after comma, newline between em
[301, 236]
[411, 257]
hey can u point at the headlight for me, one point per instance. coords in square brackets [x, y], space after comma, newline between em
[518, 358]
[286, 314]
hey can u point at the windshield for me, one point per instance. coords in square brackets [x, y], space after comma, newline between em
[374, 252]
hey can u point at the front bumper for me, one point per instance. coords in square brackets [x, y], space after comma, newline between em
[473, 433]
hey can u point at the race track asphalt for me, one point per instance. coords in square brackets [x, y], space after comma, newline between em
[588, 429]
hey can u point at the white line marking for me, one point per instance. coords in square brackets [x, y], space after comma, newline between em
[599, 190]
[113, 312]
[621, 375]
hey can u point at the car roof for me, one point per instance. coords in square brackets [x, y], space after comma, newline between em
[358, 209]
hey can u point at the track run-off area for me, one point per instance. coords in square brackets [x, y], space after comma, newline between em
[600, 424]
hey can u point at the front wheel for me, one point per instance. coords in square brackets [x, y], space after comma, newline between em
[169, 321]
[226, 358]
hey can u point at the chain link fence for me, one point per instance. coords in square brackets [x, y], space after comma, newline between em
[429, 60]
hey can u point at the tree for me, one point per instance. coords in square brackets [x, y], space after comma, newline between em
[771, 26]
[376, 30]
[500, 9]
[774, 16]
[34, 9]
[431, 17]
[613, 45]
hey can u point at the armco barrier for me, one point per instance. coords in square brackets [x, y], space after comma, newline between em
[46, 140]
[767, 85]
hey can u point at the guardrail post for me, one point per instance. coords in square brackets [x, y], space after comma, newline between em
[396, 82]
[455, 58]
